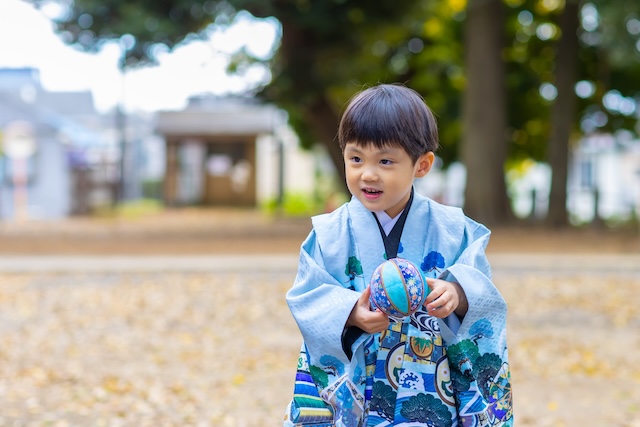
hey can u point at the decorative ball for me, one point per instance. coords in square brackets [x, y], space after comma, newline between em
[398, 288]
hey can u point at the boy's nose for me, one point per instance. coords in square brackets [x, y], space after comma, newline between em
[369, 174]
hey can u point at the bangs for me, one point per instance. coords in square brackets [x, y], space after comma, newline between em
[375, 123]
[389, 115]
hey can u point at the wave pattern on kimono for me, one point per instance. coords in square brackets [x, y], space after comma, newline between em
[422, 371]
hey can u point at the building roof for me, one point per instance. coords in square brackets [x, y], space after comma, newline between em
[24, 83]
[47, 122]
[220, 116]
[12, 108]
[13, 79]
[67, 103]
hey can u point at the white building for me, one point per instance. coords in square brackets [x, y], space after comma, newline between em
[231, 152]
[47, 191]
[604, 179]
[603, 182]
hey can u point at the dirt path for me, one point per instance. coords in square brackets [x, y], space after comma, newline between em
[219, 231]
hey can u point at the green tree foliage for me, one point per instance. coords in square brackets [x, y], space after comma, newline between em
[607, 58]
[610, 58]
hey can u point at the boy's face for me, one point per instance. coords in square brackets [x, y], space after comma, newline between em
[382, 178]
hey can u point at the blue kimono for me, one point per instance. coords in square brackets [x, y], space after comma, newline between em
[421, 371]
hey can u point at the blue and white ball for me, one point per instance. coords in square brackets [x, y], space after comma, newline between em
[398, 288]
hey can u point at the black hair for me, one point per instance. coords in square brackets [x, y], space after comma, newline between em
[389, 114]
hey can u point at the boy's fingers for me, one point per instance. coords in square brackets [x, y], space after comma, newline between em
[434, 294]
[431, 283]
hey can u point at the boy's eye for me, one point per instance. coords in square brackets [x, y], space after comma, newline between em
[386, 161]
[356, 159]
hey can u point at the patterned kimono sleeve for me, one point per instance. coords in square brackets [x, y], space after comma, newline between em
[477, 351]
[472, 271]
[319, 303]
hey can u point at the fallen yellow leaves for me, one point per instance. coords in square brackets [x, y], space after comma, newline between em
[200, 350]
[573, 348]
[143, 350]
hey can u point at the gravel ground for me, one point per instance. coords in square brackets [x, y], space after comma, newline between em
[203, 349]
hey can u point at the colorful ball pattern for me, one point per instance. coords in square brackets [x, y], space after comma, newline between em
[398, 288]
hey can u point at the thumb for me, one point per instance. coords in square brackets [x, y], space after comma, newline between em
[365, 294]
[365, 299]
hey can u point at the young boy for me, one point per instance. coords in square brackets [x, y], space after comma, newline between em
[445, 365]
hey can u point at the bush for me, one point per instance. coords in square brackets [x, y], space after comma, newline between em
[294, 204]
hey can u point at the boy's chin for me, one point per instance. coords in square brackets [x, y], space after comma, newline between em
[372, 206]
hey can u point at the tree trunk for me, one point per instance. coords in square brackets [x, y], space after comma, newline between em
[301, 86]
[324, 124]
[484, 148]
[563, 113]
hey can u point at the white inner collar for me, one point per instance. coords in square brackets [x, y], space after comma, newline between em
[386, 221]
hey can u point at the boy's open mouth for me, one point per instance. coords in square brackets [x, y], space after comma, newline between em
[371, 191]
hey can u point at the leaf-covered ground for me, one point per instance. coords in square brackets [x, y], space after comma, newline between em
[220, 349]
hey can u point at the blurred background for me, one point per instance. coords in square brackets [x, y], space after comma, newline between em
[215, 103]
[159, 162]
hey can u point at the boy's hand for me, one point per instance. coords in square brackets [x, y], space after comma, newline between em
[445, 298]
[365, 319]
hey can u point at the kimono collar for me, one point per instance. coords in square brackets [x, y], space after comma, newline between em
[386, 221]
[392, 239]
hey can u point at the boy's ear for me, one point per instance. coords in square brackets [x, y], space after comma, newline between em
[424, 164]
